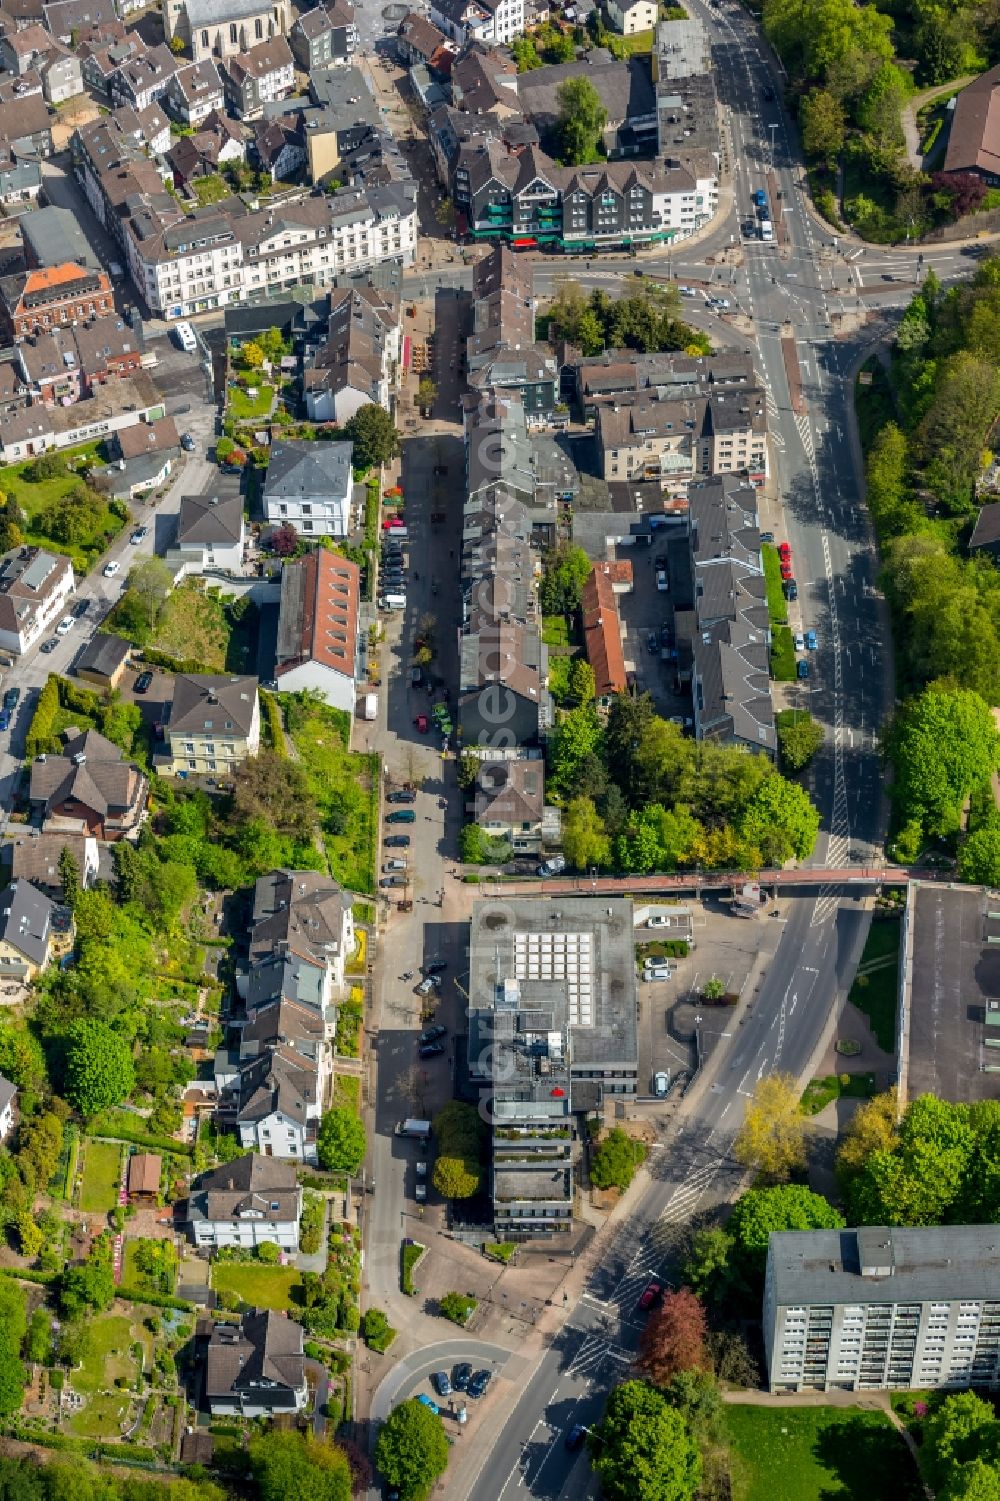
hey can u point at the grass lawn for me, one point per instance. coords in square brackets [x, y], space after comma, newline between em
[805, 1454]
[819, 1092]
[559, 667]
[101, 1174]
[557, 631]
[211, 189]
[777, 605]
[347, 1091]
[191, 625]
[261, 1286]
[875, 993]
[103, 1415]
[344, 786]
[36, 496]
[112, 1336]
[639, 41]
[245, 408]
[782, 654]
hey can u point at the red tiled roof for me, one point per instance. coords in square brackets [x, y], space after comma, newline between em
[330, 614]
[602, 633]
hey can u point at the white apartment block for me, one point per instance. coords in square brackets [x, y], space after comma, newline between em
[882, 1308]
[479, 20]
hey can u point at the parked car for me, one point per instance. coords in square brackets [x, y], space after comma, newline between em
[50, 644]
[4, 719]
[658, 920]
[802, 669]
[390, 865]
[396, 841]
[553, 867]
[427, 984]
[401, 815]
[433, 1034]
[784, 551]
[649, 1295]
[461, 1375]
[80, 608]
[767, 536]
[811, 642]
[479, 1383]
[187, 443]
[65, 625]
[799, 640]
[143, 682]
[786, 568]
[790, 588]
[12, 698]
[442, 1384]
[404, 795]
[661, 1085]
[575, 1437]
[660, 972]
[660, 561]
[422, 723]
[436, 967]
[139, 535]
[662, 582]
[429, 1402]
[431, 1050]
[420, 1192]
[651, 643]
[393, 881]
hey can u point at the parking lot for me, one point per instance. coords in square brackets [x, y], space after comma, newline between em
[645, 612]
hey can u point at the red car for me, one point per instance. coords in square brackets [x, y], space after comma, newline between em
[786, 568]
[784, 551]
[650, 1294]
[421, 723]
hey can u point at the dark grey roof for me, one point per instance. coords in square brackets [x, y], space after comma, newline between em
[262, 1360]
[987, 528]
[207, 519]
[280, 1082]
[625, 89]
[297, 469]
[8, 1093]
[301, 909]
[945, 1262]
[103, 654]
[345, 94]
[26, 920]
[224, 1189]
[210, 702]
[282, 975]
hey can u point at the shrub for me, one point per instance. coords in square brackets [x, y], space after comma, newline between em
[457, 1307]
[376, 1331]
[411, 1254]
[268, 1252]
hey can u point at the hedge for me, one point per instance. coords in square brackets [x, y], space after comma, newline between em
[103, 1125]
[175, 664]
[273, 727]
[155, 1300]
[41, 731]
[20, 1274]
[410, 1254]
[123, 1453]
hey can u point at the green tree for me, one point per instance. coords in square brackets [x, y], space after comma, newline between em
[642, 1450]
[470, 845]
[780, 821]
[272, 787]
[582, 682]
[976, 1481]
[525, 54]
[581, 120]
[89, 1286]
[341, 1142]
[708, 1267]
[979, 855]
[412, 1450]
[427, 393]
[585, 839]
[577, 736]
[824, 126]
[921, 1177]
[789, 1206]
[772, 1138]
[374, 437]
[566, 570]
[799, 737]
[273, 345]
[288, 1464]
[614, 1163]
[99, 1068]
[151, 581]
[629, 720]
[943, 745]
[13, 1328]
[456, 1307]
[953, 1435]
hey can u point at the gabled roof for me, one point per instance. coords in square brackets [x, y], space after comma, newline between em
[210, 703]
[263, 1359]
[298, 470]
[148, 437]
[26, 920]
[602, 633]
[974, 135]
[510, 791]
[318, 620]
[207, 520]
[302, 909]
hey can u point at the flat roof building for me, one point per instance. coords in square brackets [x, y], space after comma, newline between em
[883, 1307]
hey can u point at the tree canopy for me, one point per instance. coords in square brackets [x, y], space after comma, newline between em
[581, 121]
[642, 1450]
[288, 1464]
[614, 1163]
[674, 1338]
[341, 1142]
[412, 1450]
[772, 1138]
[374, 437]
[99, 1067]
[943, 744]
[461, 1138]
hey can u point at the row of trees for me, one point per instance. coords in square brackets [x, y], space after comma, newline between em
[641, 796]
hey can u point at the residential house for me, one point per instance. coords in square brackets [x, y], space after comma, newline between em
[602, 635]
[194, 93]
[509, 801]
[142, 1179]
[32, 931]
[224, 28]
[256, 78]
[89, 789]
[35, 857]
[38, 300]
[246, 1203]
[256, 1369]
[50, 367]
[26, 126]
[211, 533]
[325, 37]
[279, 146]
[318, 628]
[8, 1099]
[676, 439]
[219, 140]
[417, 39]
[62, 75]
[66, 18]
[479, 20]
[484, 81]
[108, 410]
[22, 50]
[143, 80]
[503, 681]
[159, 436]
[974, 133]
[985, 539]
[279, 1102]
[13, 88]
[309, 486]
[305, 914]
[34, 589]
[20, 180]
[108, 349]
[358, 362]
[630, 16]
[103, 660]
[213, 724]
[882, 1307]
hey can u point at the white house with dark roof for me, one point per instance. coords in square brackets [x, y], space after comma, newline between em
[246, 1203]
[211, 532]
[194, 92]
[318, 627]
[306, 913]
[213, 724]
[34, 589]
[310, 486]
[256, 1369]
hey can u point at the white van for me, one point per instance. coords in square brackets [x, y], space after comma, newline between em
[393, 602]
[186, 338]
[766, 230]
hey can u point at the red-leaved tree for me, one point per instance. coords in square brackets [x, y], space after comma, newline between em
[674, 1338]
[284, 540]
[966, 190]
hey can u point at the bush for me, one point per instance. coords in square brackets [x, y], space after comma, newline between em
[616, 1159]
[500, 1250]
[376, 1331]
[268, 1252]
[457, 1307]
[273, 732]
[411, 1254]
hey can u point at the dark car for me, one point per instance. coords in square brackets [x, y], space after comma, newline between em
[187, 442]
[80, 609]
[397, 841]
[12, 698]
[393, 881]
[575, 1437]
[480, 1381]
[431, 1049]
[4, 720]
[404, 796]
[50, 644]
[401, 815]
[441, 1383]
[660, 561]
[461, 1375]
[791, 589]
[767, 536]
[432, 1034]
[651, 641]
[649, 1295]
[802, 669]
[768, 92]
[143, 682]
[436, 967]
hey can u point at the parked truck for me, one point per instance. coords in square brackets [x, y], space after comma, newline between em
[417, 1130]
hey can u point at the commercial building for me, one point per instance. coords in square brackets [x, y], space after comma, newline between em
[318, 625]
[552, 1035]
[880, 1307]
[479, 20]
[213, 723]
[36, 301]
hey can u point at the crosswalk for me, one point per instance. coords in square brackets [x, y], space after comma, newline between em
[594, 1351]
